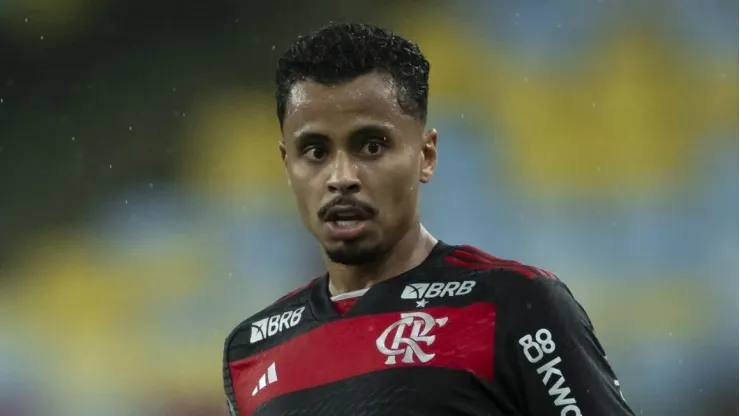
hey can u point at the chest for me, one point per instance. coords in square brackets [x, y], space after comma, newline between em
[431, 351]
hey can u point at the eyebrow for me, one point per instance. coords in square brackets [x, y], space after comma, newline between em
[305, 136]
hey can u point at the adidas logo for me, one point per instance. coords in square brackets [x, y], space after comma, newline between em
[267, 378]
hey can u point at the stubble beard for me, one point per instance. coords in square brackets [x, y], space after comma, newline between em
[354, 254]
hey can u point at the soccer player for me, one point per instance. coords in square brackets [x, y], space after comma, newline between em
[401, 323]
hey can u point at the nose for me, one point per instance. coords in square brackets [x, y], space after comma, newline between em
[343, 178]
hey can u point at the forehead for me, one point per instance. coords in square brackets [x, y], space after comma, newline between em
[367, 99]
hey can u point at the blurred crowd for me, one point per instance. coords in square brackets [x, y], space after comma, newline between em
[144, 211]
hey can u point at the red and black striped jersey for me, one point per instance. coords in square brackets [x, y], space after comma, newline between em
[463, 333]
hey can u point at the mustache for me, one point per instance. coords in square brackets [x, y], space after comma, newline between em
[347, 201]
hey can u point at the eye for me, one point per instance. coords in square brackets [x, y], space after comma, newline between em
[315, 153]
[374, 147]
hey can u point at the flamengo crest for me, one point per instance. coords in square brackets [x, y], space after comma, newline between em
[404, 336]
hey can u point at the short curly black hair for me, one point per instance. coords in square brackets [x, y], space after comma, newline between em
[340, 52]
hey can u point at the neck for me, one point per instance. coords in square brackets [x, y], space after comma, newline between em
[408, 253]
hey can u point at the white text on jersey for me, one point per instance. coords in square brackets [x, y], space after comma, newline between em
[437, 289]
[277, 323]
[535, 348]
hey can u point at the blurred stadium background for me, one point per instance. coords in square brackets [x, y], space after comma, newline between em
[143, 210]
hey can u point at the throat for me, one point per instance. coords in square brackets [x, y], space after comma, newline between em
[408, 253]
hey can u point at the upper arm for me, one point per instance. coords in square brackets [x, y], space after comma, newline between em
[556, 363]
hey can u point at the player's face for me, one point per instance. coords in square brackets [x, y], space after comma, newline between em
[355, 162]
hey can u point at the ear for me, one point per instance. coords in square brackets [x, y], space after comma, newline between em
[429, 155]
[284, 157]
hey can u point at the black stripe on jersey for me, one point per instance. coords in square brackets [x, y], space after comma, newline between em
[422, 391]
[463, 340]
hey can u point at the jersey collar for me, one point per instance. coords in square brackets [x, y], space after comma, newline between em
[323, 308]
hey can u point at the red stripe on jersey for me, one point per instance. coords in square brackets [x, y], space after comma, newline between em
[460, 258]
[468, 265]
[470, 256]
[512, 266]
[454, 338]
[478, 252]
[544, 272]
[343, 305]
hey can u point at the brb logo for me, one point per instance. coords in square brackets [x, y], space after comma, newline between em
[277, 323]
[424, 291]
[404, 336]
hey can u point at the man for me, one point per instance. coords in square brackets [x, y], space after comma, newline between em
[402, 323]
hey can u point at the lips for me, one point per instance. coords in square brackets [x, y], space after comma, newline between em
[339, 213]
[346, 223]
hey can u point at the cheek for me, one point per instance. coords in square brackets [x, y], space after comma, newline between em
[303, 186]
[298, 172]
[402, 184]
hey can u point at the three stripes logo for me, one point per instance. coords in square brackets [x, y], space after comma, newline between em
[472, 258]
[267, 378]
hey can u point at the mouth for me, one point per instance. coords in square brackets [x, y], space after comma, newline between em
[346, 223]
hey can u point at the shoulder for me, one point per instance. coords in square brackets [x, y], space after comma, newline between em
[284, 313]
[506, 278]
[471, 258]
[527, 298]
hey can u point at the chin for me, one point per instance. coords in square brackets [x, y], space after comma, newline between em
[355, 253]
